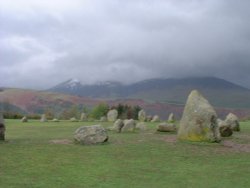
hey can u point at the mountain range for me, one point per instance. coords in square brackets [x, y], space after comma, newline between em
[219, 92]
[156, 96]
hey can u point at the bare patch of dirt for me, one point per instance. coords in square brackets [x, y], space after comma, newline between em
[236, 147]
[224, 146]
[61, 141]
[171, 139]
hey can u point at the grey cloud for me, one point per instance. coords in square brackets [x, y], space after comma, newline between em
[124, 40]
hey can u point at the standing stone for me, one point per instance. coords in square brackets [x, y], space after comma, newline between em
[117, 125]
[166, 127]
[142, 115]
[43, 118]
[83, 117]
[112, 115]
[156, 118]
[141, 126]
[171, 118]
[199, 120]
[233, 121]
[24, 119]
[225, 129]
[103, 119]
[129, 125]
[87, 135]
[2, 127]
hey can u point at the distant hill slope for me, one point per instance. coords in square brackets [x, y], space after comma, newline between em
[30, 101]
[36, 102]
[219, 92]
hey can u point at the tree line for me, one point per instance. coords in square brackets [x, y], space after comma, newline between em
[124, 112]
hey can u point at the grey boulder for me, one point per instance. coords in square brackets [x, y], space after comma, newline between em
[88, 135]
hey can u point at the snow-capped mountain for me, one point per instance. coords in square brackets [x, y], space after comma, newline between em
[108, 84]
[220, 92]
[99, 89]
[73, 83]
[69, 86]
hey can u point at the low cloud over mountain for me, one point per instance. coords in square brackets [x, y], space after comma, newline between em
[44, 42]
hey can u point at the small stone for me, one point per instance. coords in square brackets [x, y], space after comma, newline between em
[73, 119]
[141, 126]
[233, 121]
[103, 119]
[166, 127]
[118, 125]
[129, 125]
[225, 129]
[55, 120]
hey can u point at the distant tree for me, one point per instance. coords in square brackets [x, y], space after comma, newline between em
[127, 112]
[12, 115]
[135, 112]
[64, 114]
[72, 111]
[33, 116]
[99, 111]
[49, 112]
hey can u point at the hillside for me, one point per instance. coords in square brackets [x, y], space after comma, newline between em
[30, 101]
[219, 92]
[37, 102]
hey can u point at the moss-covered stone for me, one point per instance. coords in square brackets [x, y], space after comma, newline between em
[199, 120]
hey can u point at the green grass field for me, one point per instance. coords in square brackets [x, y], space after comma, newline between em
[42, 155]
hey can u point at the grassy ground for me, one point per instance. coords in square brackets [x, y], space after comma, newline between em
[37, 155]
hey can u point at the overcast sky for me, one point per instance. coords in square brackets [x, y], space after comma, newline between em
[45, 42]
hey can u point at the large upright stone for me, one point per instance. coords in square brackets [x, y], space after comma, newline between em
[87, 135]
[233, 121]
[156, 118]
[83, 117]
[24, 119]
[43, 118]
[171, 118]
[112, 115]
[199, 120]
[142, 116]
[2, 127]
